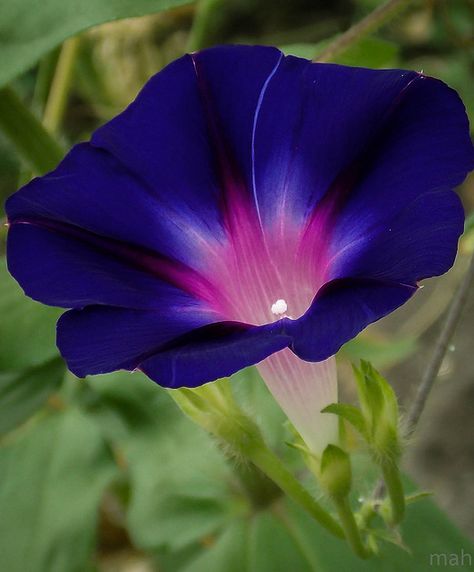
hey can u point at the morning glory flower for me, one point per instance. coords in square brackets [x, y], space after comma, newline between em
[247, 208]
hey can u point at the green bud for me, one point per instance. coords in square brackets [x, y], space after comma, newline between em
[380, 411]
[335, 474]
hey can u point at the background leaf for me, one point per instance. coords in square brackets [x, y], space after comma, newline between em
[291, 540]
[182, 485]
[27, 328]
[21, 394]
[53, 477]
[29, 29]
[425, 531]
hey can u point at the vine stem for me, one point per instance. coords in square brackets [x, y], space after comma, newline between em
[352, 532]
[271, 465]
[431, 373]
[371, 22]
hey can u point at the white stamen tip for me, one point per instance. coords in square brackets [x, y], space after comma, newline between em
[279, 307]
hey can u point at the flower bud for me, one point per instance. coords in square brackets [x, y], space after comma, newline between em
[335, 472]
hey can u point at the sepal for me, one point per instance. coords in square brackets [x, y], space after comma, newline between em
[335, 475]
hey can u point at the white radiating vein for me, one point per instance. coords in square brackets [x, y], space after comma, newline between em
[254, 129]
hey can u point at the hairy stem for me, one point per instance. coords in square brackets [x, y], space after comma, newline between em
[396, 494]
[271, 465]
[351, 530]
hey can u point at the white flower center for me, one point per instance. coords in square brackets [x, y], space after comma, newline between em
[279, 307]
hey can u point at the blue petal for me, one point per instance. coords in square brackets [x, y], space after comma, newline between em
[94, 191]
[419, 242]
[400, 221]
[174, 347]
[214, 352]
[340, 311]
[163, 138]
[64, 266]
[101, 339]
[314, 121]
[130, 220]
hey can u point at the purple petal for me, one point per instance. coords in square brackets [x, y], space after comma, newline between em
[62, 265]
[423, 151]
[314, 121]
[96, 192]
[420, 242]
[340, 311]
[213, 352]
[238, 178]
[101, 339]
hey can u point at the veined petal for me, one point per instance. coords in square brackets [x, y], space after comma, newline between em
[163, 139]
[303, 389]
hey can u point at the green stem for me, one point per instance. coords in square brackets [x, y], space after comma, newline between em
[39, 149]
[271, 465]
[381, 15]
[261, 491]
[245, 440]
[204, 24]
[396, 495]
[61, 85]
[44, 77]
[351, 530]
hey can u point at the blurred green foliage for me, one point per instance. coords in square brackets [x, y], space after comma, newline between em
[104, 466]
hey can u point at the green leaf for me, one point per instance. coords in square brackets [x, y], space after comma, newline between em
[260, 544]
[22, 394]
[229, 553]
[350, 413]
[53, 477]
[33, 142]
[370, 52]
[27, 329]
[426, 531]
[29, 30]
[380, 352]
[288, 539]
[180, 482]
